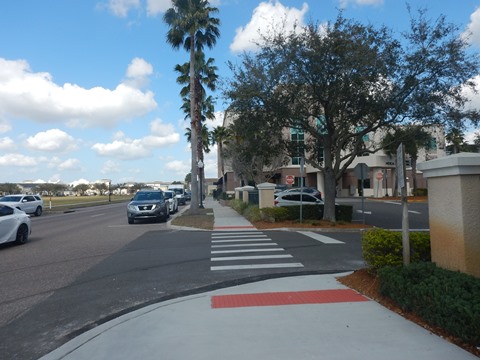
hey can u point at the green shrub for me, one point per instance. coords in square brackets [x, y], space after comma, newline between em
[420, 192]
[315, 212]
[274, 214]
[252, 213]
[383, 248]
[443, 298]
[238, 205]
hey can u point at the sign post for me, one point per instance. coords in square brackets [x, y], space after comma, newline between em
[402, 183]
[361, 172]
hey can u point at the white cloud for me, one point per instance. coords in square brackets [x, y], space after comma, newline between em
[122, 7]
[4, 126]
[474, 97]
[345, 3]
[6, 143]
[110, 167]
[155, 7]
[35, 96]
[178, 167]
[473, 28]
[124, 148]
[17, 160]
[53, 140]
[70, 164]
[138, 72]
[267, 16]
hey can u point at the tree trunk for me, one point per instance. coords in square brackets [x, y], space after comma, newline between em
[193, 140]
[329, 196]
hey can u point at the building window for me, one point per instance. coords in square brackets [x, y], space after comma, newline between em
[297, 137]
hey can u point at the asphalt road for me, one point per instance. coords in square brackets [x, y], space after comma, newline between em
[83, 268]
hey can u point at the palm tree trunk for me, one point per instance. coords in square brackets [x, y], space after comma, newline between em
[194, 138]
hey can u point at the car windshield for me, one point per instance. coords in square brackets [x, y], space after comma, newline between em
[168, 195]
[146, 196]
[11, 198]
[178, 191]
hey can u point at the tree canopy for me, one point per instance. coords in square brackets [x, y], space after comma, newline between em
[339, 81]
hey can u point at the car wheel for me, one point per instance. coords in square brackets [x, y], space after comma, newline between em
[22, 234]
[39, 211]
[131, 221]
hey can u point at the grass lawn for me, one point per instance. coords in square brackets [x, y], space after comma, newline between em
[64, 203]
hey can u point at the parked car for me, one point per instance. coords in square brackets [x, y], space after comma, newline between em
[188, 195]
[148, 204]
[15, 225]
[308, 190]
[293, 198]
[171, 200]
[179, 193]
[31, 204]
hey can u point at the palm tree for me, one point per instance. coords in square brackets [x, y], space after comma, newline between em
[220, 136]
[414, 138]
[192, 27]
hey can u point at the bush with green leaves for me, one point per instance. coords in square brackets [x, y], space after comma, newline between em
[383, 248]
[443, 298]
[238, 205]
[274, 214]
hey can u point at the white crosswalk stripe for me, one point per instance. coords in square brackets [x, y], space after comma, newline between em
[229, 252]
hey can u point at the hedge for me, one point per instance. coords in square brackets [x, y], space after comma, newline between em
[443, 298]
[383, 248]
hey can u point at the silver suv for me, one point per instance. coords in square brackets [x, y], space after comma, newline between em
[293, 198]
[148, 204]
[31, 204]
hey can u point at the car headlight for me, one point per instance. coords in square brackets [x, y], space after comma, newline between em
[131, 207]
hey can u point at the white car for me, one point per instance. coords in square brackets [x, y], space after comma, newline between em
[293, 199]
[15, 225]
[171, 200]
[31, 204]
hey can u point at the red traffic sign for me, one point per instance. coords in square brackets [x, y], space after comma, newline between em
[290, 179]
[379, 175]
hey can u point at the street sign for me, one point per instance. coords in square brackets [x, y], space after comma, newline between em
[361, 171]
[379, 175]
[290, 179]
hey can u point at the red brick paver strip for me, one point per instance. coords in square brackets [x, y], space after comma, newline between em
[286, 298]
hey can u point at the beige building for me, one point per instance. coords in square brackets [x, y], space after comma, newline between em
[381, 174]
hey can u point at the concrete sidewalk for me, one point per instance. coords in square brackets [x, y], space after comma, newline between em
[297, 317]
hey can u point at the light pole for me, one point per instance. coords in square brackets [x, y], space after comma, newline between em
[200, 173]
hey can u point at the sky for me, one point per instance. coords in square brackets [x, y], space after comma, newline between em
[88, 89]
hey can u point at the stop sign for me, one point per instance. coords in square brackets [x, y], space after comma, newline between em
[379, 175]
[290, 179]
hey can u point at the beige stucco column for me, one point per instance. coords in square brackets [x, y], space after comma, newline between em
[265, 195]
[238, 193]
[454, 211]
[245, 190]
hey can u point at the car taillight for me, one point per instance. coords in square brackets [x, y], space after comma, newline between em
[275, 202]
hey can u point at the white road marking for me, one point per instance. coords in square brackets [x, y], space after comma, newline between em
[322, 238]
[246, 250]
[240, 245]
[255, 266]
[238, 240]
[252, 257]
[237, 236]
[365, 212]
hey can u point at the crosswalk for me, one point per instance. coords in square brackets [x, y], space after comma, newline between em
[242, 250]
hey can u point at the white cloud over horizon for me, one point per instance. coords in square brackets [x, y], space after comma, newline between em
[35, 96]
[266, 17]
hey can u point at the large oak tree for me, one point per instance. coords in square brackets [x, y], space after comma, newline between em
[342, 80]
